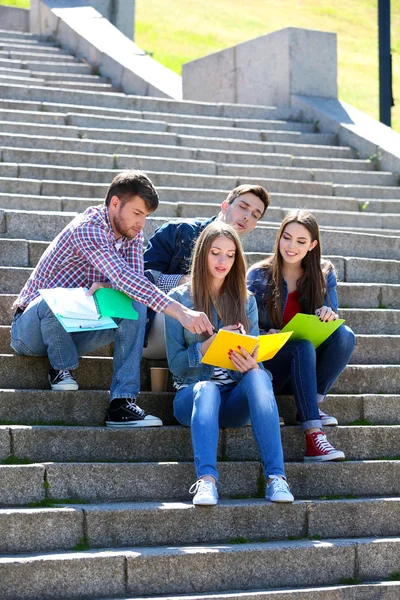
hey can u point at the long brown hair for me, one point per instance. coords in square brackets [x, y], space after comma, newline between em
[311, 286]
[231, 303]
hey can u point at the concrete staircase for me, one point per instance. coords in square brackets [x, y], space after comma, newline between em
[94, 513]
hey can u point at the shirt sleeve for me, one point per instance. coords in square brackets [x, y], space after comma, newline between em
[167, 282]
[331, 298]
[93, 243]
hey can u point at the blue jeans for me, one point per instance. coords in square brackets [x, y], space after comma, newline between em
[205, 406]
[37, 332]
[300, 369]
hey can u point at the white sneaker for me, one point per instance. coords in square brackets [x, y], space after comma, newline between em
[327, 419]
[278, 490]
[205, 493]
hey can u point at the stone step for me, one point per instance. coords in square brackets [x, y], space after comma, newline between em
[60, 83]
[114, 123]
[37, 54]
[370, 349]
[116, 525]
[18, 35]
[124, 101]
[65, 77]
[93, 188]
[126, 114]
[376, 590]
[44, 225]
[218, 150]
[80, 159]
[95, 372]
[11, 45]
[109, 161]
[26, 253]
[173, 443]
[312, 174]
[145, 570]
[87, 407]
[333, 218]
[174, 200]
[136, 482]
[81, 68]
[233, 128]
[352, 298]
[47, 170]
[72, 85]
[193, 139]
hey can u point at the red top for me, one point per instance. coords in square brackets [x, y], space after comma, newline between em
[292, 307]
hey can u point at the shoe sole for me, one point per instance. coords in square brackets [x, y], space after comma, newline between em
[213, 503]
[325, 458]
[329, 423]
[64, 387]
[131, 425]
[280, 501]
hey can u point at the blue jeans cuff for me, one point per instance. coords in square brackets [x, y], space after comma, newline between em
[313, 423]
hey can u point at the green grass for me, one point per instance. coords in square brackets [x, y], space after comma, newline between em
[54, 502]
[178, 31]
[362, 422]
[181, 30]
[83, 544]
[350, 581]
[15, 460]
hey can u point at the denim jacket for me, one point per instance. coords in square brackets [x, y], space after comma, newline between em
[183, 348]
[170, 248]
[257, 280]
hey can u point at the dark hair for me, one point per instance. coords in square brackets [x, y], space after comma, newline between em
[231, 303]
[127, 184]
[257, 190]
[311, 286]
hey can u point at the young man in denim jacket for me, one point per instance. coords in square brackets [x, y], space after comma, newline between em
[168, 253]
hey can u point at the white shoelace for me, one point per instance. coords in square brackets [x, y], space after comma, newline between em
[280, 485]
[65, 375]
[199, 485]
[135, 408]
[322, 443]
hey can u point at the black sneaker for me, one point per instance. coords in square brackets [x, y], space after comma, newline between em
[124, 412]
[62, 380]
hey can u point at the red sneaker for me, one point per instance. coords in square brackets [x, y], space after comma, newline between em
[318, 449]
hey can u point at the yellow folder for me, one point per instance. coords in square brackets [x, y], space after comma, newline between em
[217, 353]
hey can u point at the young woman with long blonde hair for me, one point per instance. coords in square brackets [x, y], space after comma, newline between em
[208, 398]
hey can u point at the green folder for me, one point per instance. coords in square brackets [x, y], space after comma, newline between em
[113, 303]
[309, 327]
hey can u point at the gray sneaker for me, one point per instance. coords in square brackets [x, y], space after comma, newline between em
[278, 490]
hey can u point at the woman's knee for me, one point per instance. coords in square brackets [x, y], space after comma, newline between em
[345, 339]
[304, 349]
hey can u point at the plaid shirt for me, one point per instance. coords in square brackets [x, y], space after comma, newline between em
[85, 252]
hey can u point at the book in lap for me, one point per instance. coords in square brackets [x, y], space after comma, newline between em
[217, 353]
[309, 327]
[78, 312]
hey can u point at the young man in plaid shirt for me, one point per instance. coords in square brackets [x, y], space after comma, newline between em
[101, 247]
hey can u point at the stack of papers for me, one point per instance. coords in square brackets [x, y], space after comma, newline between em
[78, 312]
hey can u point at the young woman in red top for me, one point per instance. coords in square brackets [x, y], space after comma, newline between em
[295, 279]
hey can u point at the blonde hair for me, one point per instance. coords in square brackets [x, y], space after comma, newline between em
[231, 302]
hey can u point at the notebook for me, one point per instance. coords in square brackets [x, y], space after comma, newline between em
[78, 312]
[217, 353]
[309, 327]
